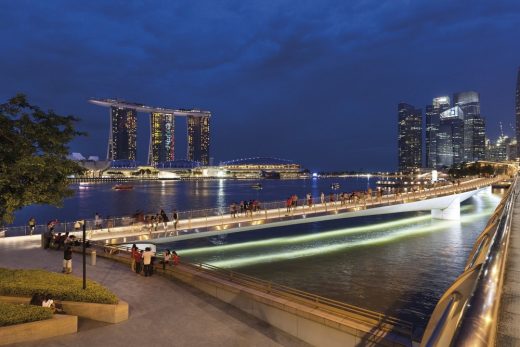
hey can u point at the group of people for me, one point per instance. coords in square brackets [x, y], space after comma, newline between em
[143, 260]
[153, 221]
[245, 208]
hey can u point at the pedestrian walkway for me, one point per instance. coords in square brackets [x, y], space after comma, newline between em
[509, 317]
[162, 311]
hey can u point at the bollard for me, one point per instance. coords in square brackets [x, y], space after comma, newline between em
[93, 258]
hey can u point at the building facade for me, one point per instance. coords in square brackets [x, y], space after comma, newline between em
[474, 125]
[433, 114]
[162, 138]
[198, 138]
[122, 140]
[409, 137]
[450, 137]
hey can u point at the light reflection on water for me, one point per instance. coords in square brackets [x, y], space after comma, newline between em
[397, 264]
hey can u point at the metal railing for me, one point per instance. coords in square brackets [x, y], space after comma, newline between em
[466, 315]
[206, 218]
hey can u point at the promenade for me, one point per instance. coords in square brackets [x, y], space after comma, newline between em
[162, 311]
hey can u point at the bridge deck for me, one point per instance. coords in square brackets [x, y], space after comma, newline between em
[213, 225]
[509, 318]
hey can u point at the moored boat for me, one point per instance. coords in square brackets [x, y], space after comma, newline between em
[123, 187]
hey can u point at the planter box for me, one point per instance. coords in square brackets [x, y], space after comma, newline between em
[56, 326]
[100, 312]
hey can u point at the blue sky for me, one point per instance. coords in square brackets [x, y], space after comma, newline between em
[313, 81]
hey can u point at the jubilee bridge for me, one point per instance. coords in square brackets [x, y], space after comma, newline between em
[443, 201]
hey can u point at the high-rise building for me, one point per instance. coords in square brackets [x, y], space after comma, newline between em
[450, 137]
[162, 141]
[517, 111]
[198, 138]
[409, 137]
[122, 140]
[474, 125]
[433, 113]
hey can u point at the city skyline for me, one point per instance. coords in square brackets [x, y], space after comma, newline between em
[279, 78]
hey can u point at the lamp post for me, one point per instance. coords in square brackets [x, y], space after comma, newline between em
[84, 255]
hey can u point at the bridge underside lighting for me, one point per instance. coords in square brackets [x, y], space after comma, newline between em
[434, 226]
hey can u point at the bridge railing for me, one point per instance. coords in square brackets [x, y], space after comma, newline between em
[203, 218]
[466, 315]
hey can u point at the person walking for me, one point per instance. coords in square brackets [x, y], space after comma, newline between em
[138, 261]
[32, 225]
[133, 252]
[322, 198]
[165, 219]
[67, 258]
[98, 221]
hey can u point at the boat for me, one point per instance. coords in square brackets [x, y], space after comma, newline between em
[257, 186]
[334, 186]
[123, 187]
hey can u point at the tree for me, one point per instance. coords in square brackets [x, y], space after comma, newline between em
[33, 150]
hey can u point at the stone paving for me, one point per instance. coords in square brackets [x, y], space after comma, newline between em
[162, 311]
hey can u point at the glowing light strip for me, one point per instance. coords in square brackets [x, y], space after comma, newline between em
[310, 237]
[307, 252]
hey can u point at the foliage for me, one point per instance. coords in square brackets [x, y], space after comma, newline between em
[472, 169]
[11, 314]
[59, 286]
[33, 150]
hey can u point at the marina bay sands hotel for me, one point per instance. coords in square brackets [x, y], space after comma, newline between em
[122, 139]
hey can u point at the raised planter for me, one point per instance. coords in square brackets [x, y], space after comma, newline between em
[56, 326]
[109, 313]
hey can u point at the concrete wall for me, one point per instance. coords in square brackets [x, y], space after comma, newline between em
[310, 324]
[56, 326]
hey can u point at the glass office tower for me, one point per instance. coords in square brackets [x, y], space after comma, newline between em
[198, 138]
[122, 140]
[409, 137]
[450, 137]
[162, 138]
[474, 125]
[433, 113]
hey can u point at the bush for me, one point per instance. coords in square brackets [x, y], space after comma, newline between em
[11, 314]
[59, 286]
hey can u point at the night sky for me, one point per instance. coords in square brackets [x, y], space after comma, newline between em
[317, 82]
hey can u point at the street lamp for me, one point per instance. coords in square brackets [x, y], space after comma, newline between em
[83, 223]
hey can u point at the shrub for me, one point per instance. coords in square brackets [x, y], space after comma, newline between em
[59, 286]
[11, 314]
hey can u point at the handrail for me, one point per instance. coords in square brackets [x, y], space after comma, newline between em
[466, 314]
[211, 217]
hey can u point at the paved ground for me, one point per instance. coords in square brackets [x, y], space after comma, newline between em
[509, 317]
[162, 311]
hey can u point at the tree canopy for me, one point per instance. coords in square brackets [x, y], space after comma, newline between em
[33, 163]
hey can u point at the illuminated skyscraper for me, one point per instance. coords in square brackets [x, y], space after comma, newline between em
[122, 140]
[162, 141]
[450, 137]
[474, 126]
[433, 113]
[409, 137]
[198, 138]
[517, 110]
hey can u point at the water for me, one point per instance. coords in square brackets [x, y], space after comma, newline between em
[152, 196]
[398, 264]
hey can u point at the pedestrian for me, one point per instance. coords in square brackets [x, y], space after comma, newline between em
[98, 222]
[322, 197]
[133, 252]
[32, 225]
[288, 204]
[50, 233]
[147, 261]
[165, 219]
[175, 258]
[167, 257]
[175, 220]
[110, 223]
[67, 258]
[138, 261]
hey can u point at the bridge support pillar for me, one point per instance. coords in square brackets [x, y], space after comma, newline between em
[452, 212]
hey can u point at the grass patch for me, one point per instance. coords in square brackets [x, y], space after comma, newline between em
[59, 286]
[11, 314]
